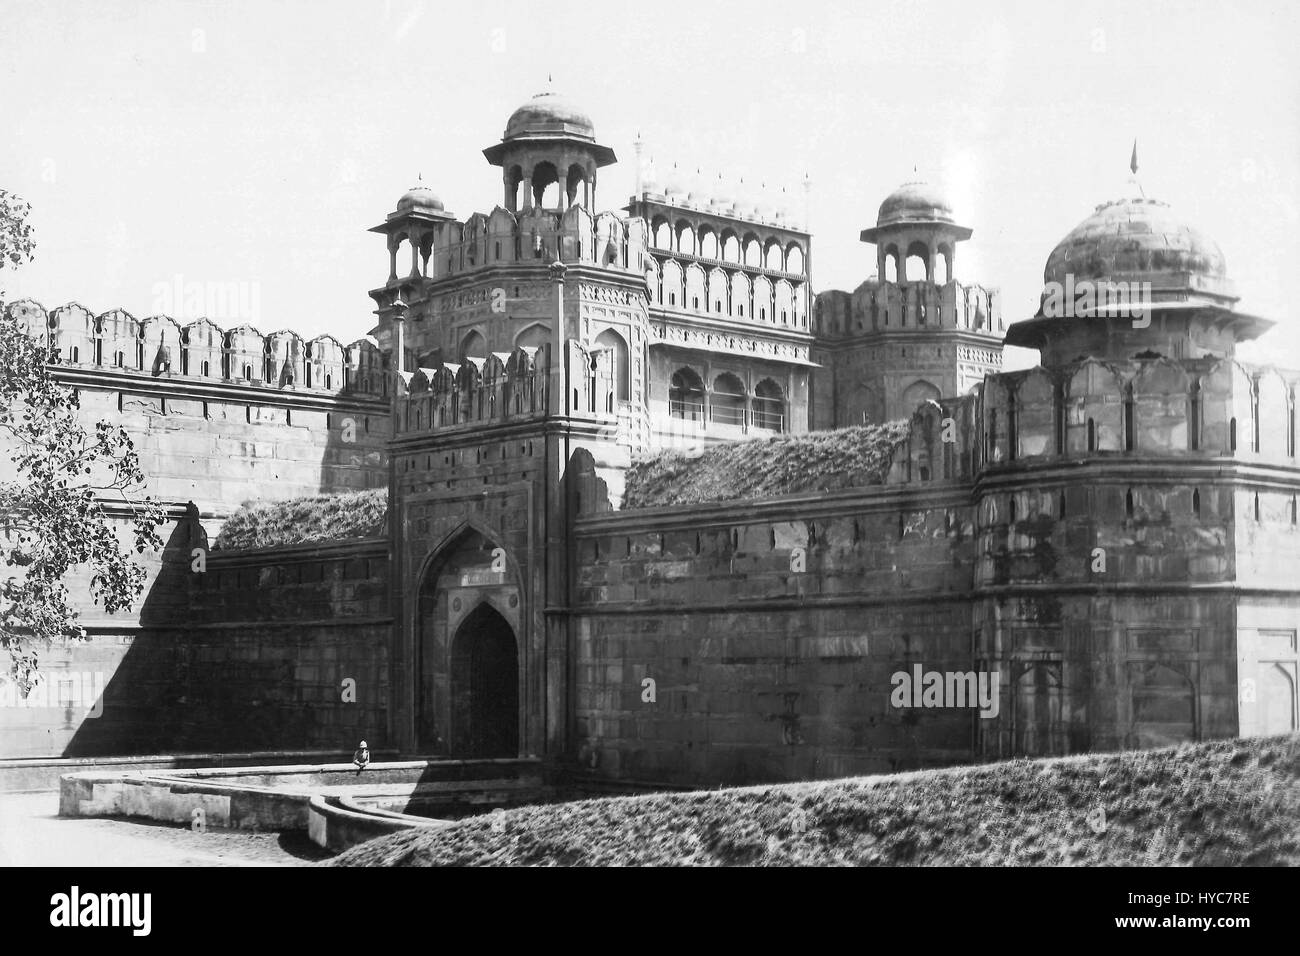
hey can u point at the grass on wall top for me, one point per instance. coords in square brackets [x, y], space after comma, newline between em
[271, 524]
[766, 467]
[1220, 803]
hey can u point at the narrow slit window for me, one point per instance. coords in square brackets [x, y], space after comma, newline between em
[1129, 422]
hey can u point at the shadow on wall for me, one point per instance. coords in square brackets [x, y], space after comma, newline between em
[245, 653]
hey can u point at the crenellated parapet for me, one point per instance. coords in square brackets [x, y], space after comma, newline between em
[499, 386]
[421, 248]
[1140, 410]
[161, 347]
[504, 387]
[942, 444]
[883, 306]
[1207, 407]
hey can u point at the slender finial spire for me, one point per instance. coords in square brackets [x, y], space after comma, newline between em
[1135, 185]
[637, 145]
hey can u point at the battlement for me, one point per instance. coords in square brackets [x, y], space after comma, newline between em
[160, 347]
[1130, 414]
[507, 386]
[877, 306]
[441, 249]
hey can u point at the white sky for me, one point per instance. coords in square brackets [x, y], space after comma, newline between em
[255, 142]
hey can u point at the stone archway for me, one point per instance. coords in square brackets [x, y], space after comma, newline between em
[467, 610]
[484, 686]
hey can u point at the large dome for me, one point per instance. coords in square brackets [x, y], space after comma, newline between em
[549, 114]
[915, 202]
[1137, 238]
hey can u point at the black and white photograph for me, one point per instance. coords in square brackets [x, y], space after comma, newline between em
[737, 435]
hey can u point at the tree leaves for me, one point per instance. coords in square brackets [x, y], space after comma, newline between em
[16, 243]
[66, 492]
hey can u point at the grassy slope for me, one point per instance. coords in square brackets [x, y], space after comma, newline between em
[765, 467]
[1220, 803]
[359, 514]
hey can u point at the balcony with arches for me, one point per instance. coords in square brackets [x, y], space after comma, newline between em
[727, 273]
[727, 408]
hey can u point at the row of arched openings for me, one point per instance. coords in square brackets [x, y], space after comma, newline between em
[727, 245]
[727, 402]
[548, 188]
[919, 265]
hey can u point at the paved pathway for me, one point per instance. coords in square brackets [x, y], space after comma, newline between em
[32, 834]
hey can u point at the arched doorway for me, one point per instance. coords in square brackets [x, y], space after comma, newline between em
[469, 631]
[484, 686]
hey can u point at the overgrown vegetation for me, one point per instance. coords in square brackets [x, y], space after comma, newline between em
[1224, 803]
[359, 514]
[765, 467]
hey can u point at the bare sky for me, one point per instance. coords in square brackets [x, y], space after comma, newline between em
[255, 142]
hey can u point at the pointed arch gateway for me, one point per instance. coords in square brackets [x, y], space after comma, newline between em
[485, 686]
[467, 639]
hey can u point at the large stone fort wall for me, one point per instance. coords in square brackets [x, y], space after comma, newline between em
[1113, 538]
[255, 653]
[771, 629]
[236, 417]
[218, 417]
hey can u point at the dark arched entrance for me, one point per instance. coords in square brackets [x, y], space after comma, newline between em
[484, 687]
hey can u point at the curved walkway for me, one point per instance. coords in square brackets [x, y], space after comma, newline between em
[32, 834]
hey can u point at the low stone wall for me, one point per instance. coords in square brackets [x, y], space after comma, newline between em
[184, 801]
[336, 805]
[41, 775]
[338, 828]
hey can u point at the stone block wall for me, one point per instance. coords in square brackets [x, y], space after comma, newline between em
[310, 418]
[770, 664]
[250, 655]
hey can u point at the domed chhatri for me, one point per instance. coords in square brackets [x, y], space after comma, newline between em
[1139, 238]
[914, 208]
[548, 120]
[419, 197]
[915, 201]
[1131, 262]
[549, 114]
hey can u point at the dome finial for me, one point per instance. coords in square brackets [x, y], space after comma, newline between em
[1135, 185]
